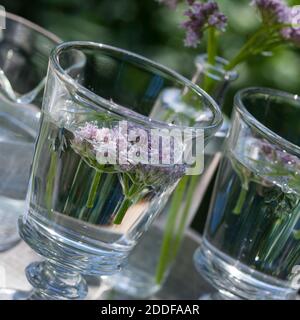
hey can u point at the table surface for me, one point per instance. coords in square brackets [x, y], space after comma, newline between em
[183, 283]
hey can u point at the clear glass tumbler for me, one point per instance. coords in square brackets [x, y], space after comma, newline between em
[251, 245]
[87, 206]
[24, 52]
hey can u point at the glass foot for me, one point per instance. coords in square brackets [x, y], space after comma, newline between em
[235, 280]
[54, 282]
[219, 295]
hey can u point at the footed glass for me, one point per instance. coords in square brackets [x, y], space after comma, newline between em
[24, 52]
[251, 245]
[88, 206]
[141, 279]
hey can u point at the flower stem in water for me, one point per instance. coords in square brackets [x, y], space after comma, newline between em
[185, 213]
[165, 253]
[51, 180]
[126, 203]
[241, 200]
[93, 190]
[72, 186]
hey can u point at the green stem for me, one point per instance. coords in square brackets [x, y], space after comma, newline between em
[243, 53]
[50, 180]
[255, 45]
[211, 56]
[185, 213]
[126, 203]
[212, 46]
[93, 190]
[241, 200]
[72, 186]
[105, 193]
[165, 253]
[281, 230]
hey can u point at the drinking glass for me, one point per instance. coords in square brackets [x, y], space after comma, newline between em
[24, 51]
[251, 245]
[87, 207]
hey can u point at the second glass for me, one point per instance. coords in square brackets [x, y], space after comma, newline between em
[251, 245]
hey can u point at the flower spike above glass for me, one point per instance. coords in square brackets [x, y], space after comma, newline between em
[102, 168]
[277, 27]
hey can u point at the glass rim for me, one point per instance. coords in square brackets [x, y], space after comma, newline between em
[253, 122]
[119, 109]
[32, 26]
[217, 72]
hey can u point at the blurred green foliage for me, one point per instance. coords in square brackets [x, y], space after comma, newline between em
[146, 27]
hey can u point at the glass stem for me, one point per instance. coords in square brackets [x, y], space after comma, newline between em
[93, 190]
[165, 253]
[54, 282]
[241, 200]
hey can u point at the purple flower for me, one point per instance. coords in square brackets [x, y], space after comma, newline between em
[127, 148]
[202, 16]
[88, 133]
[275, 155]
[291, 34]
[218, 20]
[272, 11]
